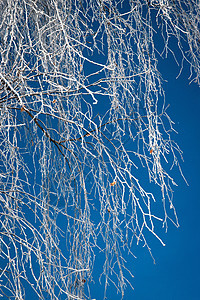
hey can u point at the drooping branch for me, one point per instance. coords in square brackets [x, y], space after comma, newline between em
[85, 138]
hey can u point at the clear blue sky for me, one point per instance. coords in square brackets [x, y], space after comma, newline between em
[176, 274]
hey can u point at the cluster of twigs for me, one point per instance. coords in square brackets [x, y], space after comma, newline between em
[85, 137]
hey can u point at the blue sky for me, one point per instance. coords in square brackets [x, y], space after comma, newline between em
[176, 272]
